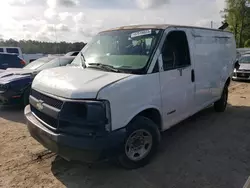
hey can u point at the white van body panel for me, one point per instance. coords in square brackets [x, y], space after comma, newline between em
[172, 93]
[74, 82]
[130, 96]
[214, 56]
[180, 97]
[177, 94]
[177, 89]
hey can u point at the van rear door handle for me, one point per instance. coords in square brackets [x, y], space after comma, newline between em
[192, 75]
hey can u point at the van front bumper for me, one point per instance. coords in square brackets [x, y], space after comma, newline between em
[80, 148]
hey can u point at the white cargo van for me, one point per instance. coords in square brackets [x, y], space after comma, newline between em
[127, 86]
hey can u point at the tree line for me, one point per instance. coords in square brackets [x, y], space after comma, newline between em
[32, 46]
[237, 15]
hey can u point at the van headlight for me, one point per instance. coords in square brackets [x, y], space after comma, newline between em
[87, 113]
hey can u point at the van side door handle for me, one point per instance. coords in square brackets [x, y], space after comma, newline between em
[192, 75]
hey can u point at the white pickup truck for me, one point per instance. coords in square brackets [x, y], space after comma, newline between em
[125, 87]
[11, 50]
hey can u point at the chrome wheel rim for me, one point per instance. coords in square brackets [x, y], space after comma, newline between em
[138, 145]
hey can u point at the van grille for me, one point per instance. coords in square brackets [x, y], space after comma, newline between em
[46, 99]
[52, 122]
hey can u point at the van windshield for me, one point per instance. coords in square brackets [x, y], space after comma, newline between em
[125, 50]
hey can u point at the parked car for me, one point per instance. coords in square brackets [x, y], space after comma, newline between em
[15, 83]
[73, 53]
[135, 82]
[11, 61]
[11, 50]
[242, 68]
[242, 51]
[32, 57]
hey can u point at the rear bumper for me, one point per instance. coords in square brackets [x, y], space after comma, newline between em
[70, 147]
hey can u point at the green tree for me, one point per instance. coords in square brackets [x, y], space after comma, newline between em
[31, 46]
[237, 15]
[247, 43]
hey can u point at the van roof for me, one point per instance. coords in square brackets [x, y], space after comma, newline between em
[159, 26]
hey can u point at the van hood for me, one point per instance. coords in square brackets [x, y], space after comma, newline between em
[74, 82]
[244, 66]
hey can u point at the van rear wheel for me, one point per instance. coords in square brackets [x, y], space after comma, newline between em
[140, 144]
[221, 105]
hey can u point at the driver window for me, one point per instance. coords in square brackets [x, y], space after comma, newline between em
[175, 51]
[168, 55]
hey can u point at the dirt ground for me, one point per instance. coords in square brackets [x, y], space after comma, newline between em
[209, 150]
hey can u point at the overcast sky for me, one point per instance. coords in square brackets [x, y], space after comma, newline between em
[79, 20]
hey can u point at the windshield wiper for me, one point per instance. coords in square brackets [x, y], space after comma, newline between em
[104, 67]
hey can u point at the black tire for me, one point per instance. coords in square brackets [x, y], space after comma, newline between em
[221, 105]
[140, 123]
[26, 95]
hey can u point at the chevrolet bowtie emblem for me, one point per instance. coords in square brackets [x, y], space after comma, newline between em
[39, 105]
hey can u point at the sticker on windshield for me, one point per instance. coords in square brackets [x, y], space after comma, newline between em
[141, 33]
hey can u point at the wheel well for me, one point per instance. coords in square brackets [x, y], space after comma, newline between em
[228, 82]
[154, 115]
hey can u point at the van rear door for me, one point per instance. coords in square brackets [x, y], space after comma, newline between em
[176, 77]
[212, 59]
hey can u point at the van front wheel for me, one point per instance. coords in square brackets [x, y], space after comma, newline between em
[221, 105]
[140, 144]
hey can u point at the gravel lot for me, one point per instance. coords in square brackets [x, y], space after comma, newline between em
[209, 150]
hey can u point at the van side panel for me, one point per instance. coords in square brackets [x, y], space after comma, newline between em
[130, 96]
[214, 55]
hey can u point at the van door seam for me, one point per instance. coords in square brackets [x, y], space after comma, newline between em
[171, 112]
[110, 84]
